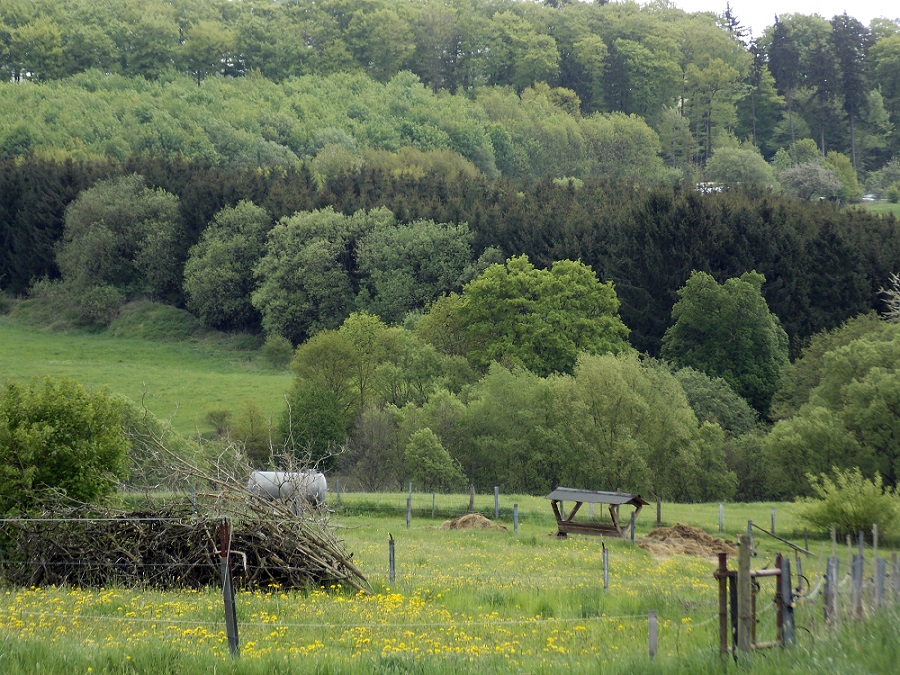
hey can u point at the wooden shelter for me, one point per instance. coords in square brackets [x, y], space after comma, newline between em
[613, 499]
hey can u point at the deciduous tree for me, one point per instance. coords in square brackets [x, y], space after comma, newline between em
[728, 331]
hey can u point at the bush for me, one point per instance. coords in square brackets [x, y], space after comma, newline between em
[892, 194]
[277, 352]
[100, 304]
[54, 434]
[429, 464]
[851, 503]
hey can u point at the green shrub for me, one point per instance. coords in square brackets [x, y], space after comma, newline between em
[892, 193]
[851, 503]
[277, 351]
[219, 419]
[54, 434]
[100, 304]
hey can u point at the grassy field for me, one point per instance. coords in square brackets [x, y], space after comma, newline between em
[882, 207]
[176, 380]
[462, 601]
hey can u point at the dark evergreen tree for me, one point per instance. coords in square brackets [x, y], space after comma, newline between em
[851, 42]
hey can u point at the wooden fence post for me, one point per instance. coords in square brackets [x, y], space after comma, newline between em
[880, 572]
[895, 565]
[856, 601]
[496, 502]
[472, 498]
[515, 518]
[408, 511]
[772, 530]
[721, 516]
[659, 511]
[745, 615]
[651, 633]
[831, 591]
[787, 603]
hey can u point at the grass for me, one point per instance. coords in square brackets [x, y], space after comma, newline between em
[881, 207]
[462, 601]
[177, 380]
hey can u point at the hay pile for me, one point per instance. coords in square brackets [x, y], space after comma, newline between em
[174, 546]
[472, 521]
[684, 539]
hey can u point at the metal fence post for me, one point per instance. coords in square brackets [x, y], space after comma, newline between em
[745, 613]
[231, 629]
[605, 566]
[408, 511]
[722, 578]
[391, 559]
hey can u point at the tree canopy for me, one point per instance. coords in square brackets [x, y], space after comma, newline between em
[726, 330]
[541, 319]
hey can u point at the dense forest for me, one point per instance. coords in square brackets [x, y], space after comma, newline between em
[495, 237]
[696, 80]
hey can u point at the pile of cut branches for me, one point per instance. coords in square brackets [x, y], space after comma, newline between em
[176, 545]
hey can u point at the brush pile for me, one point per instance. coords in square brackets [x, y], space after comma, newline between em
[177, 545]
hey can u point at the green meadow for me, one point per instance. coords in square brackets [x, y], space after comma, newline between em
[177, 380]
[882, 207]
[486, 601]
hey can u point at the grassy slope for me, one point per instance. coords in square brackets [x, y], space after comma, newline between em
[178, 380]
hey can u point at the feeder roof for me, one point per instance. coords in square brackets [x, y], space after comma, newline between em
[564, 494]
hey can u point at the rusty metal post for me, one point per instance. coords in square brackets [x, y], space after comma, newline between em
[231, 629]
[722, 576]
[744, 595]
[779, 601]
[391, 558]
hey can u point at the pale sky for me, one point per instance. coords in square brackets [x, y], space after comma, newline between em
[757, 14]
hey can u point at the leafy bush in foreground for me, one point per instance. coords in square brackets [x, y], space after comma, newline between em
[56, 434]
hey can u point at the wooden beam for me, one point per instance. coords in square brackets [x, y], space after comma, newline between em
[574, 511]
